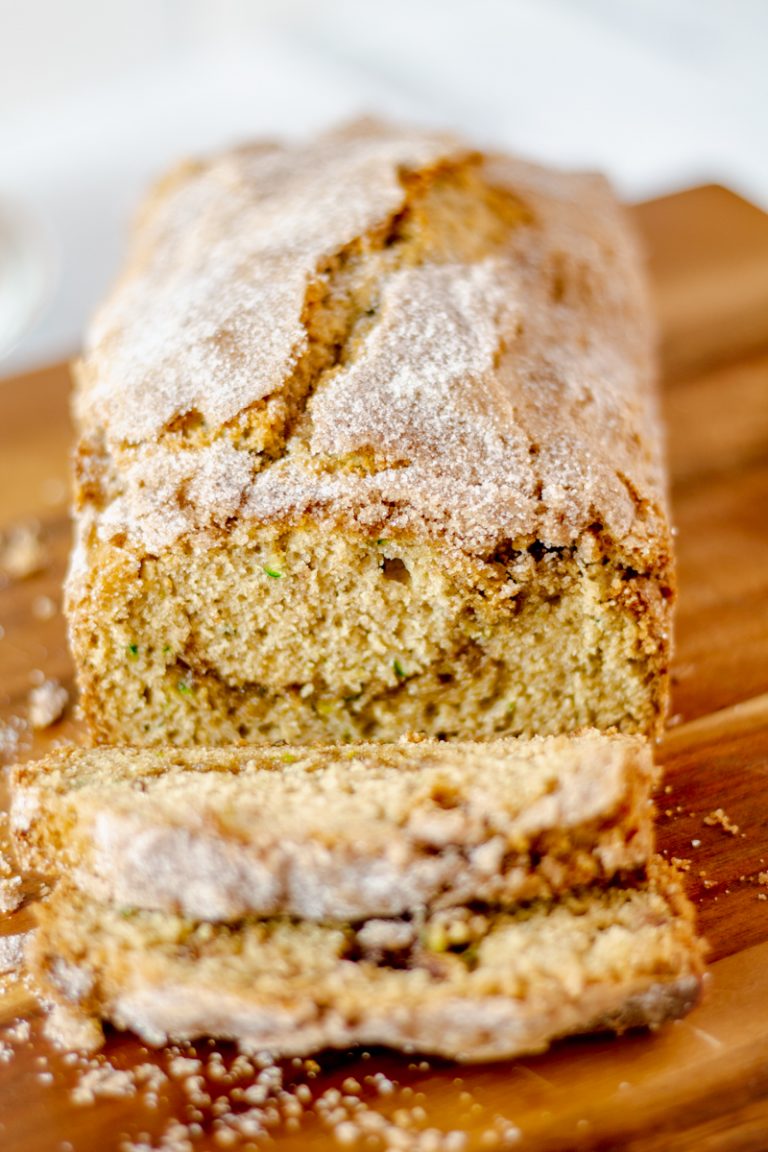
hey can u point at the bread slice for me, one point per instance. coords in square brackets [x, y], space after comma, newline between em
[368, 444]
[337, 833]
[463, 983]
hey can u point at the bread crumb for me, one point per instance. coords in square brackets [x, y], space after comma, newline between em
[183, 1067]
[681, 863]
[53, 491]
[43, 608]
[22, 552]
[71, 1029]
[47, 703]
[18, 1033]
[10, 733]
[103, 1081]
[272, 1106]
[11, 896]
[718, 818]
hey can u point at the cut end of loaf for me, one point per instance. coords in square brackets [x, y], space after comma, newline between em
[309, 634]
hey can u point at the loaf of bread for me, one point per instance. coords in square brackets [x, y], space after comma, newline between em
[368, 444]
[463, 984]
[337, 833]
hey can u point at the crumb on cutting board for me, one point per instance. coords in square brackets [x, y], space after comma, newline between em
[248, 1097]
[11, 897]
[44, 608]
[10, 736]
[22, 551]
[11, 949]
[47, 702]
[719, 819]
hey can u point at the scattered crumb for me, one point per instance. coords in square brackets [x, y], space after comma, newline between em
[43, 608]
[718, 818]
[71, 1029]
[103, 1080]
[19, 1033]
[182, 1067]
[762, 896]
[681, 863]
[695, 843]
[47, 703]
[22, 552]
[10, 734]
[257, 1100]
[11, 896]
[53, 491]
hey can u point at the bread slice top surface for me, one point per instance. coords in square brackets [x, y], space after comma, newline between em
[382, 328]
[376, 778]
[337, 831]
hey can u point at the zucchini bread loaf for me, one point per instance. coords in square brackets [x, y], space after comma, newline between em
[369, 443]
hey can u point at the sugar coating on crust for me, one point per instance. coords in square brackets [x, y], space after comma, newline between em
[208, 313]
[337, 832]
[479, 394]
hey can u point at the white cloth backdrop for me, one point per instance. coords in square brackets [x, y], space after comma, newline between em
[96, 98]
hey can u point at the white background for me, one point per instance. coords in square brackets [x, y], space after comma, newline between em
[97, 96]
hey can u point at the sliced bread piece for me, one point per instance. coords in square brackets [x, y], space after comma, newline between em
[337, 832]
[462, 983]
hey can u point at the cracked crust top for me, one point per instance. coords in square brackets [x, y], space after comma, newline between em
[465, 983]
[383, 329]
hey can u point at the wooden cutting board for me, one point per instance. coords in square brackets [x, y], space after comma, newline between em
[700, 1084]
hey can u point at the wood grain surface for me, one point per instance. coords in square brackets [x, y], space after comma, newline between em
[700, 1084]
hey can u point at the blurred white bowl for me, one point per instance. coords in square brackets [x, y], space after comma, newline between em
[28, 272]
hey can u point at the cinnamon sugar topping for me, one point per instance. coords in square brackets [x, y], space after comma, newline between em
[489, 385]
